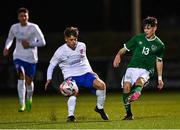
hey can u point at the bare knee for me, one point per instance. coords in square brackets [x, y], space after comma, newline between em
[99, 84]
[29, 80]
[140, 81]
[126, 87]
[102, 86]
[21, 75]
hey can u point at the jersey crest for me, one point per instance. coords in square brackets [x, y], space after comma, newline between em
[140, 42]
[154, 48]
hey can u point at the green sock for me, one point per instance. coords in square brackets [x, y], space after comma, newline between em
[138, 88]
[126, 104]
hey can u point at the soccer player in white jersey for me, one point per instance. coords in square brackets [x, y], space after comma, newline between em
[71, 58]
[28, 37]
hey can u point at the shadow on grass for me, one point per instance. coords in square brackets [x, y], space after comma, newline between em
[53, 122]
[79, 120]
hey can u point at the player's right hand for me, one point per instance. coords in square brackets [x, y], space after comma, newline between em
[5, 52]
[25, 44]
[117, 60]
[47, 84]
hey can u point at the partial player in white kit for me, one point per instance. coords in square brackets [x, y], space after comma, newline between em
[25, 56]
[71, 58]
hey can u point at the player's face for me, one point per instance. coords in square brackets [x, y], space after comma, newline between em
[71, 41]
[149, 31]
[23, 18]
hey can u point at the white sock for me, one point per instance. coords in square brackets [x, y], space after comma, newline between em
[101, 96]
[71, 105]
[21, 91]
[30, 90]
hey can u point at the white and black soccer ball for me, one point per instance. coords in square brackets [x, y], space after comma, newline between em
[68, 87]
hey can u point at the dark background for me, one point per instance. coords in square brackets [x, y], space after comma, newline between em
[88, 15]
[104, 30]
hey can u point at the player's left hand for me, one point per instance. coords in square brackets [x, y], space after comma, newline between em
[25, 44]
[160, 84]
[47, 84]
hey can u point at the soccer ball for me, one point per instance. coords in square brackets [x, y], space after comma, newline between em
[68, 87]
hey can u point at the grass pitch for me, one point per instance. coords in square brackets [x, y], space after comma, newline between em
[154, 110]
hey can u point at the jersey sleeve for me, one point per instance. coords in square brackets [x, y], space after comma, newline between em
[50, 71]
[39, 37]
[53, 62]
[84, 46]
[56, 57]
[131, 44]
[10, 38]
[160, 53]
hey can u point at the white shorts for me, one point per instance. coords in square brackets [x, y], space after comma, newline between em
[132, 74]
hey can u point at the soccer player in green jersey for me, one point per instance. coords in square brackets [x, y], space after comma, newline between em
[148, 51]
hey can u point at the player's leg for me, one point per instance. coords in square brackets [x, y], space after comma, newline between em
[71, 103]
[101, 97]
[91, 81]
[30, 73]
[127, 105]
[29, 92]
[20, 84]
[136, 92]
[127, 82]
[137, 78]
[139, 84]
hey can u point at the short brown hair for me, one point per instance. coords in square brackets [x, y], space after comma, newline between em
[71, 31]
[152, 21]
[22, 9]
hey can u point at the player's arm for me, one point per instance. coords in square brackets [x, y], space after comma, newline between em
[159, 66]
[128, 46]
[9, 42]
[40, 41]
[53, 62]
[40, 38]
[119, 56]
[49, 75]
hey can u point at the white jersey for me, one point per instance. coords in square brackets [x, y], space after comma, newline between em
[32, 33]
[71, 62]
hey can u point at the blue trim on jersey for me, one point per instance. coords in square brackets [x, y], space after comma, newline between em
[30, 69]
[85, 80]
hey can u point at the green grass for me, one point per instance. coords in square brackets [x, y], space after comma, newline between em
[154, 110]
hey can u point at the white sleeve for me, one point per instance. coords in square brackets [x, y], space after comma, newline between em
[40, 41]
[53, 62]
[9, 39]
[50, 71]
[56, 57]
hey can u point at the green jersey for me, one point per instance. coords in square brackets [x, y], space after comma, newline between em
[145, 52]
